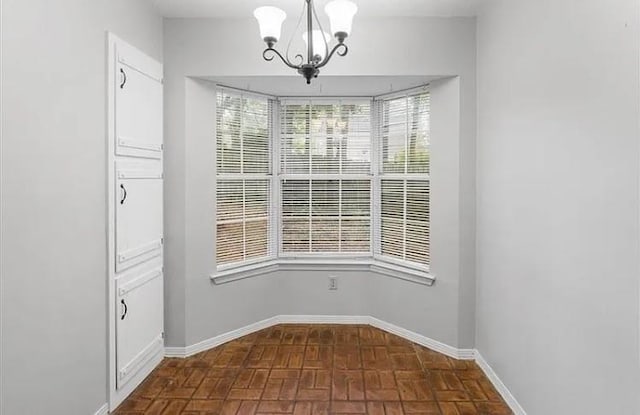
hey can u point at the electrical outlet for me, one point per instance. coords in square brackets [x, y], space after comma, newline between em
[333, 283]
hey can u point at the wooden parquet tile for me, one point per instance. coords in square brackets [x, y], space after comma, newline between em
[316, 370]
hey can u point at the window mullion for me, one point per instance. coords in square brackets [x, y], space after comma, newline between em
[241, 134]
[404, 219]
[404, 182]
[244, 189]
[310, 216]
[375, 189]
[339, 215]
[338, 134]
[244, 220]
[406, 136]
[275, 133]
[308, 131]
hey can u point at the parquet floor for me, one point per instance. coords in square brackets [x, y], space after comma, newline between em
[314, 370]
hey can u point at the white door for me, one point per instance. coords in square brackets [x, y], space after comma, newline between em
[138, 107]
[138, 216]
[139, 322]
[135, 185]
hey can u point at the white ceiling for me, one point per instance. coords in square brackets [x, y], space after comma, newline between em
[368, 8]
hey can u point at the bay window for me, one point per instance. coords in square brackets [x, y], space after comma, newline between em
[322, 180]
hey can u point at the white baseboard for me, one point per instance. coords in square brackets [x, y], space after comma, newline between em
[293, 319]
[463, 354]
[221, 339]
[500, 387]
[460, 354]
[104, 410]
[175, 352]
[453, 352]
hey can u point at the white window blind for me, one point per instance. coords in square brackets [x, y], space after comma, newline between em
[325, 154]
[404, 178]
[243, 178]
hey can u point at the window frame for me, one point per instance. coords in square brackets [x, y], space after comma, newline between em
[269, 177]
[368, 176]
[366, 261]
[406, 177]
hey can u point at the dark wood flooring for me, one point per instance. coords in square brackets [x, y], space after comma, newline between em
[316, 369]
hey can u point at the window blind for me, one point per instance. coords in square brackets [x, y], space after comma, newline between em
[243, 177]
[325, 137]
[404, 178]
[404, 132]
[325, 152]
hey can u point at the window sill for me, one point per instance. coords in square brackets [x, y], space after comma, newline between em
[376, 266]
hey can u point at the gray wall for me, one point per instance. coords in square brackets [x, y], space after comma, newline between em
[557, 220]
[54, 322]
[195, 308]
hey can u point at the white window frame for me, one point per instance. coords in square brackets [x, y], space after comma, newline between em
[365, 261]
[326, 256]
[380, 175]
[270, 177]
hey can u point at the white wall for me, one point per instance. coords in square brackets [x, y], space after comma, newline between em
[558, 207]
[53, 266]
[197, 309]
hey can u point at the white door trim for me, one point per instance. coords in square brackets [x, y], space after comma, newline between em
[118, 51]
[112, 40]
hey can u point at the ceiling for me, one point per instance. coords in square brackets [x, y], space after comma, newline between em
[346, 86]
[368, 8]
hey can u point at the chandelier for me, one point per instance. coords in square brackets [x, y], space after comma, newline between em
[317, 41]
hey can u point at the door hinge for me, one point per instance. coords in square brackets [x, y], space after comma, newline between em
[162, 334]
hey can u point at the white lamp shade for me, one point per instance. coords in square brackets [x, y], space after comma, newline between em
[341, 14]
[318, 42]
[270, 20]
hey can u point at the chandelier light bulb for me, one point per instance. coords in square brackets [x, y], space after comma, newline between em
[319, 46]
[341, 14]
[270, 21]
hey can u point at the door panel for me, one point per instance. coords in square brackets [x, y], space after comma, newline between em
[139, 321]
[138, 216]
[138, 109]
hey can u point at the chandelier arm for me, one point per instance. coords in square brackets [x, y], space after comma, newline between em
[334, 50]
[276, 53]
[291, 39]
[299, 56]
